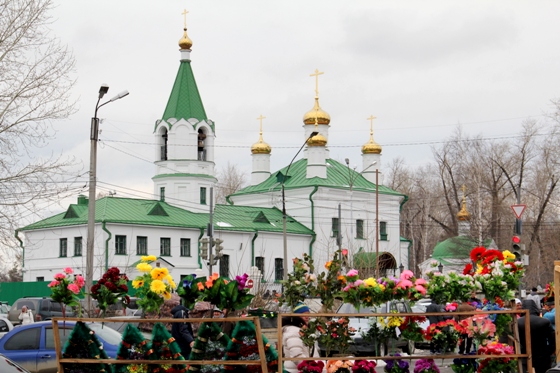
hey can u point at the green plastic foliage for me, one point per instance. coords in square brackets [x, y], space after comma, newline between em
[164, 347]
[83, 344]
[133, 347]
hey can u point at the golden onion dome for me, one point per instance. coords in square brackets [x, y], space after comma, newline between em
[260, 147]
[316, 115]
[317, 140]
[371, 147]
[185, 42]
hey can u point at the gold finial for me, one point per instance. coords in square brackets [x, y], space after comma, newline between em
[185, 42]
[371, 147]
[464, 214]
[316, 75]
[260, 147]
[316, 113]
[318, 139]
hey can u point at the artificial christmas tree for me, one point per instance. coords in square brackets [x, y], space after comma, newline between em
[83, 344]
[133, 347]
[243, 346]
[210, 344]
[164, 347]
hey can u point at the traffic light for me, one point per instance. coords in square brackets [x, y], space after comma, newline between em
[517, 248]
[213, 260]
[219, 247]
[204, 248]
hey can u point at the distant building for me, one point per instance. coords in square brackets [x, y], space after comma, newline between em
[251, 226]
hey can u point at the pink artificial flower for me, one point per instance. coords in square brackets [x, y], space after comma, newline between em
[420, 281]
[358, 283]
[421, 289]
[406, 274]
[405, 284]
[74, 288]
[80, 281]
[53, 284]
[68, 270]
[352, 273]
[59, 276]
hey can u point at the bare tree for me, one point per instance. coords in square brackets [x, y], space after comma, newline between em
[34, 89]
[230, 180]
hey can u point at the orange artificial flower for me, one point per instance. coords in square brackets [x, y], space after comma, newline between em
[328, 264]
[200, 286]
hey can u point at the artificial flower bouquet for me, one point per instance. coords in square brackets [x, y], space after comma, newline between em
[396, 366]
[411, 329]
[329, 282]
[311, 366]
[444, 335]
[339, 366]
[65, 288]
[153, 286]
[110, 289]
[364, 366]
[492, 365]
[479, 327]
[452, 286]
[332, 334]
[425, 366]
[301, 282]
[501, 320]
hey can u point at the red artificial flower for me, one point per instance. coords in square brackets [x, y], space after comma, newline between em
[468, 270]
[493, 255]
[477, 252]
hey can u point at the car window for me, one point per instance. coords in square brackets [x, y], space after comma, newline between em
[107, 334]
[399, 307]
[55, 307]
[26, 302]
[4, 326]
[3, 309]
[27, 339]
[49, 337]
[45, 306]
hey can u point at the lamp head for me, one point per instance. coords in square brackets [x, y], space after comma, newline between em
[119, 96]
[103, 89]
[347, 161]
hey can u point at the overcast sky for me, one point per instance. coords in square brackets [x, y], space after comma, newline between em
[420, 67]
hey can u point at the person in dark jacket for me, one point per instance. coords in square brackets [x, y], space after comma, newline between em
[182, 331]
[543, 344]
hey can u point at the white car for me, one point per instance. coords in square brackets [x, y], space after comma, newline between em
[4, 309]
[5, 326]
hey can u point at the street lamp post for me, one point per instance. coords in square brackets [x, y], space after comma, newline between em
[377, 222]
[285, 259]
[94, 136]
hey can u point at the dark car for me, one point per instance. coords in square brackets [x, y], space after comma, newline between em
[362, 346]
[8, 366]
[43, 308]
[32, 345]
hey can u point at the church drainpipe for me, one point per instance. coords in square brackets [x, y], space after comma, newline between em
[104, 227]
[315, 189]
[22, 249]
[253, 248]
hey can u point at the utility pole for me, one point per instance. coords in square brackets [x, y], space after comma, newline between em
[339, 233]
[377, 222]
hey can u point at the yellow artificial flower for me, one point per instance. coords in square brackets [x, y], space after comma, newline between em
[370, 282]
[149, 258]
[166, 295]
[137, 283]
[382, 287]
[507, 256]
[479, 268]
[170, 281]
[157, 273]
[158, 287]
[144, 267]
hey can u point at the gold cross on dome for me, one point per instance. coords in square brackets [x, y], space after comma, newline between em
[316, 75]
[371, 118]
[185, 17]
[260, 118]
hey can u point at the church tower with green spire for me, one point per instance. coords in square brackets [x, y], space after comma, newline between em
[185, 142]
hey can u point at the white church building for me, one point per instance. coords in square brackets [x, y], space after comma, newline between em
[329, 199]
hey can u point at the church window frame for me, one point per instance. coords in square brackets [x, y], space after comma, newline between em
[383, 231]
[120, 245]
[165, 246]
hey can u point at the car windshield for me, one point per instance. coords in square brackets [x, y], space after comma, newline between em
[109, 335]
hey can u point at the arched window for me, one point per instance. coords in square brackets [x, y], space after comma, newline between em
[163, 151]
[201, 145]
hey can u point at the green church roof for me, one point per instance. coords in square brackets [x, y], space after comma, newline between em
[338, 176]
[184, 101]
[456, 248]
[157, 213]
